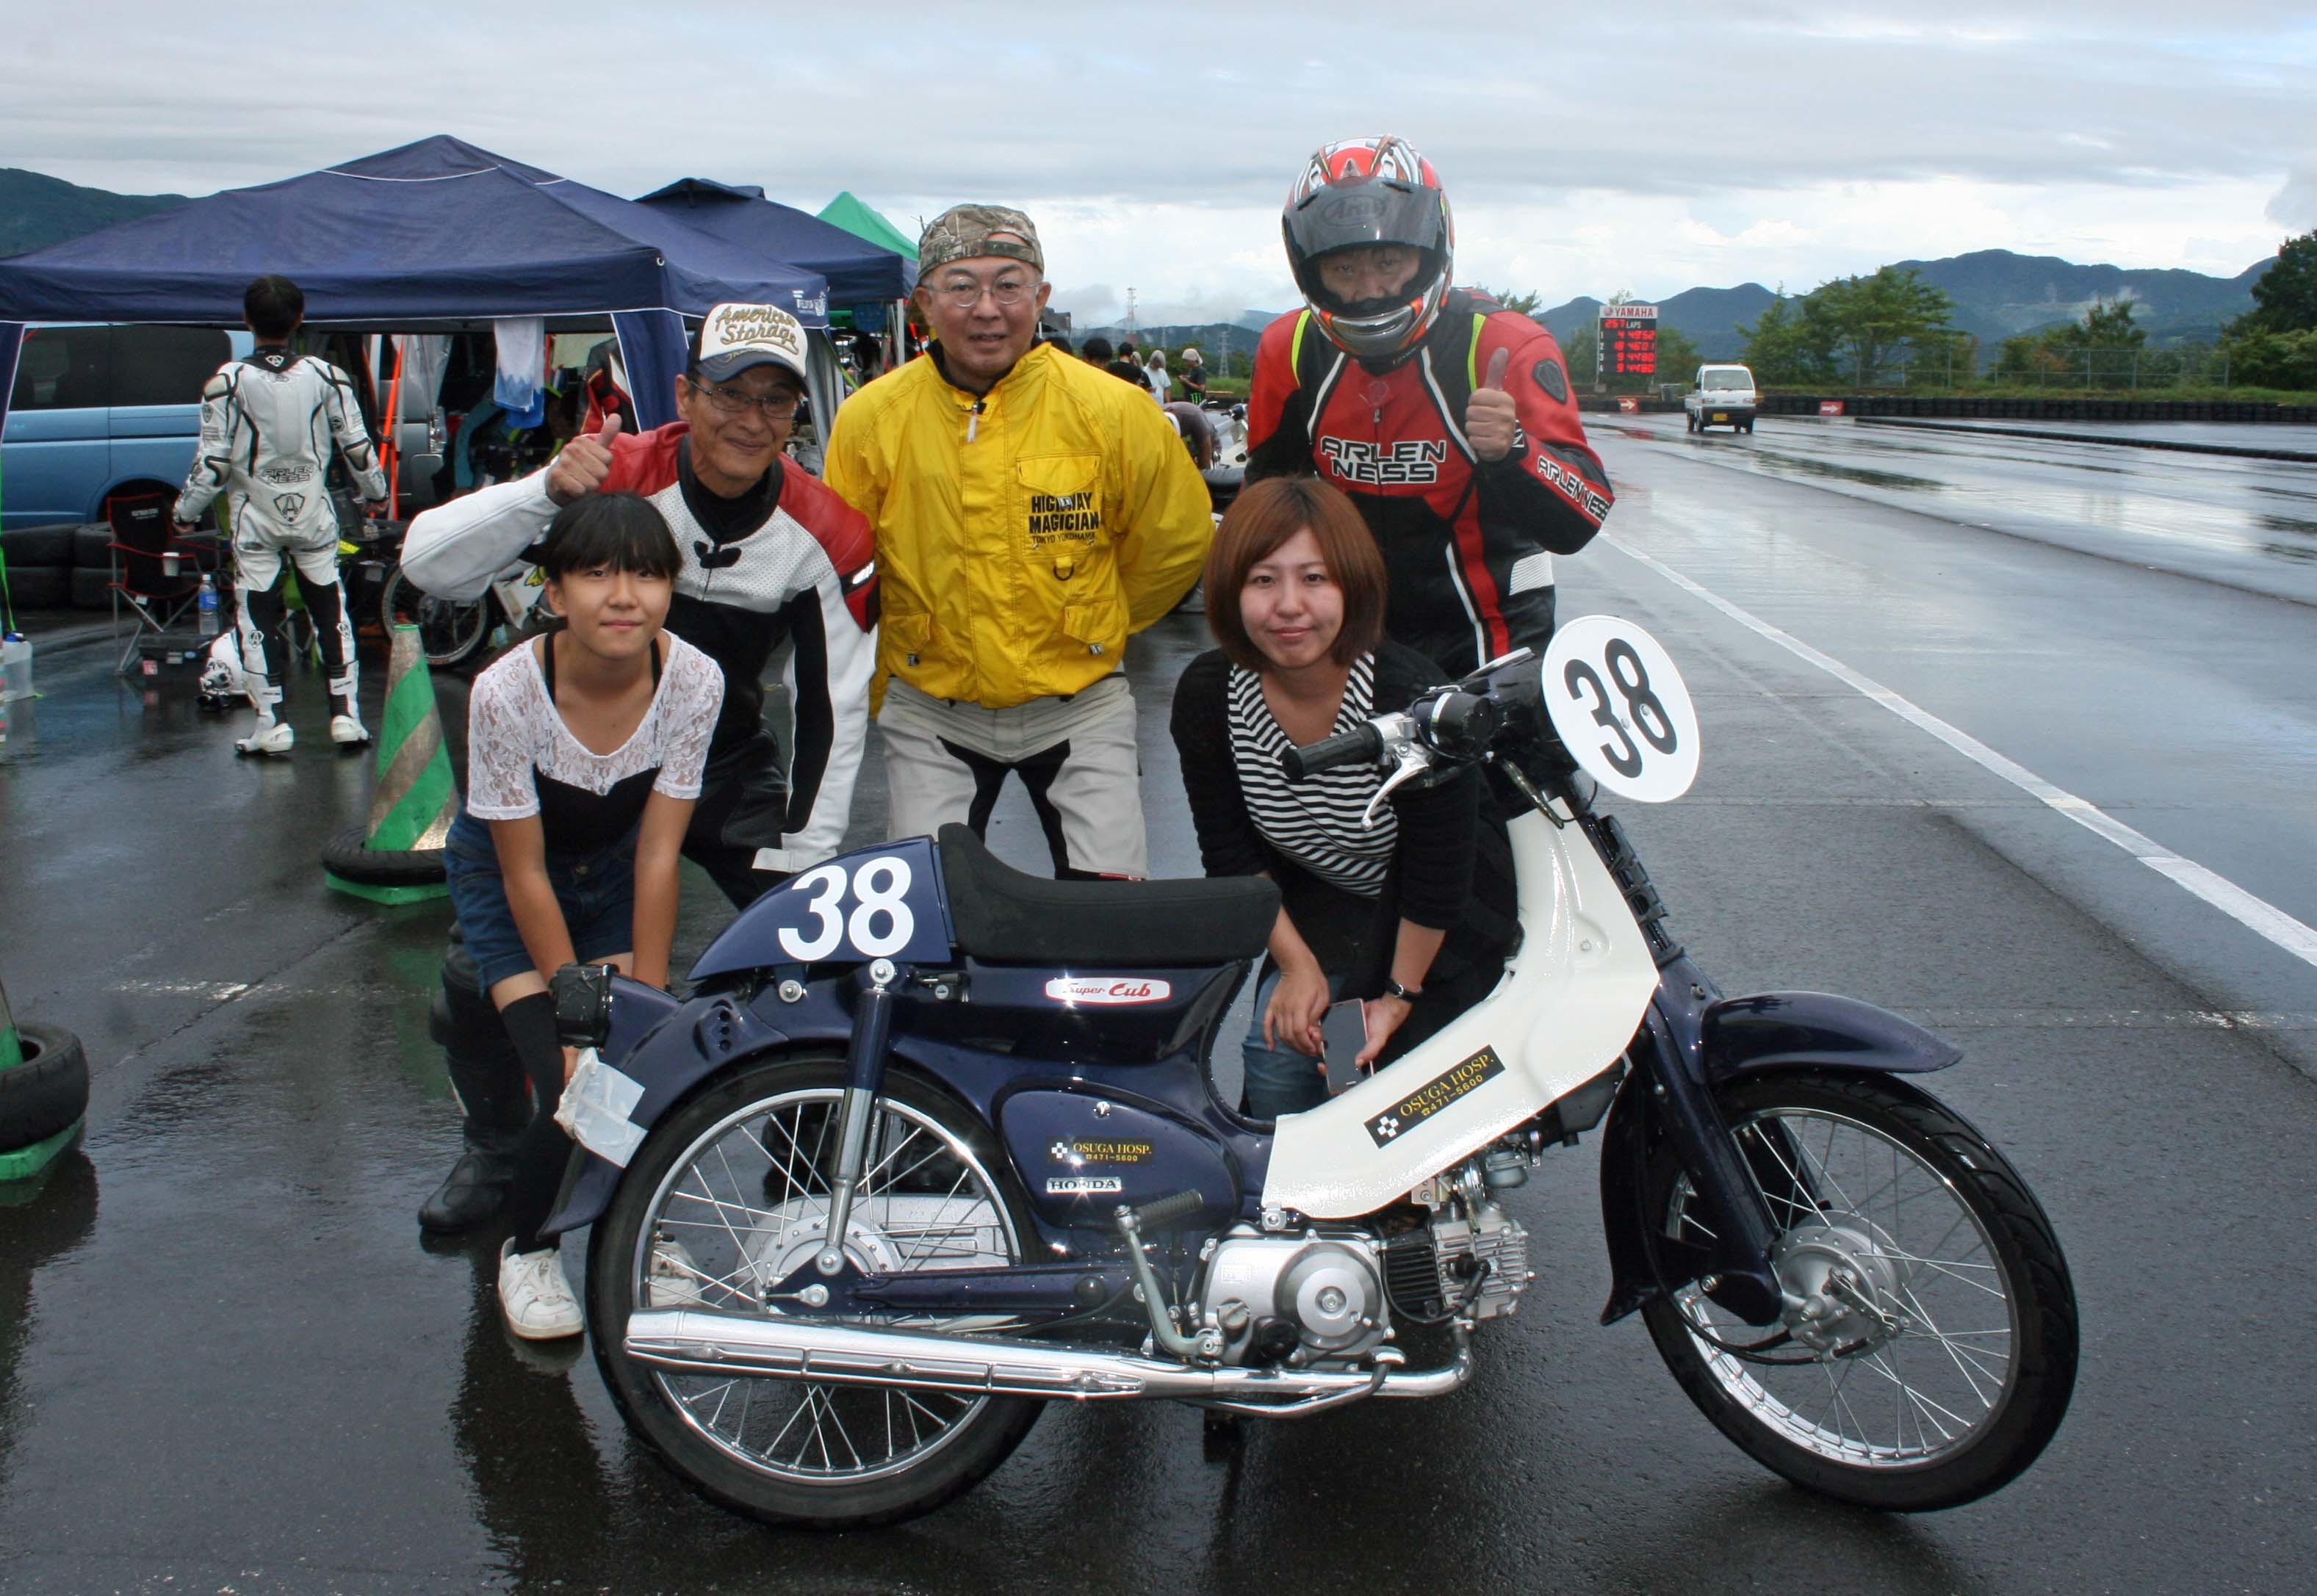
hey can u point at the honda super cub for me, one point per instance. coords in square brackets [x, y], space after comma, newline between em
[933, 1143]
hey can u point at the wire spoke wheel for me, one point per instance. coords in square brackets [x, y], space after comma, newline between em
[1927, 1350]
[448, 631]
[739, 1202]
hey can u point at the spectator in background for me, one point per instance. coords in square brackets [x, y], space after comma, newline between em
[1126, 369]
[1098, 351]
[1154, 371]
[1192, 376]
[270, 424]
[867, 356]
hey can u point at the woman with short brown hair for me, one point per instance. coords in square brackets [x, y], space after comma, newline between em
[1413, 915]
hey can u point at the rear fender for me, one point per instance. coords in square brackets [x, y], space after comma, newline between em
[669, 1048]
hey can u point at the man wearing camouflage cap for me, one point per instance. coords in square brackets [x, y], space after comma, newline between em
[1030, 513]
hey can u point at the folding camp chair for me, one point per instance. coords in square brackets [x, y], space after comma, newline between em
[156, 573]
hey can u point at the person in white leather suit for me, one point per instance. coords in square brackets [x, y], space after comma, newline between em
[270, 423]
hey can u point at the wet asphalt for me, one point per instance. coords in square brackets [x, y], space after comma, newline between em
[229, 1362]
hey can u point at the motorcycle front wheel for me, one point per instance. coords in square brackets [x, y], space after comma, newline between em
[449, 631]
[730, 1195]
[1927, 1350]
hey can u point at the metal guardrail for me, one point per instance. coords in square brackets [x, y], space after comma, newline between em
[1969, 408]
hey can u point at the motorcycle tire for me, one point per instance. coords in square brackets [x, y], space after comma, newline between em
[1982, 1399]
[345, 855]
[798, 1099]
[46, 1093]
[450, 632]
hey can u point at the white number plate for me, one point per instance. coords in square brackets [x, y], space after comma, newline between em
[1621, 708]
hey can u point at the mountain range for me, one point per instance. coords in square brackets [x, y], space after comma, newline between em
[37, 210]
[1997, 295]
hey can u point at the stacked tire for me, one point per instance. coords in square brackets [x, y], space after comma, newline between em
[40, 566]
[43, 1100]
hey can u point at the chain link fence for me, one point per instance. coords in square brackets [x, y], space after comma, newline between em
[2048, 369]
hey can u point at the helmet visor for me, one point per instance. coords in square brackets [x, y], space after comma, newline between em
[1340, 215]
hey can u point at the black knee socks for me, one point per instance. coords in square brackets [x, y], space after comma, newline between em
[544, 1151]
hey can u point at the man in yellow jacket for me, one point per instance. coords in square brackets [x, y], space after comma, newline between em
[1030, 513]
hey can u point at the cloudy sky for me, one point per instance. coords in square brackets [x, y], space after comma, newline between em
[1586, 149]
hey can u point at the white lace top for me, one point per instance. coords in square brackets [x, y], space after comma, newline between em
[515, 735]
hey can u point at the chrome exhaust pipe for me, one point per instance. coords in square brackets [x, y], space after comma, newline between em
[685, 1341]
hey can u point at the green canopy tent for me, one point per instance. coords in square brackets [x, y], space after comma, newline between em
[862, 222]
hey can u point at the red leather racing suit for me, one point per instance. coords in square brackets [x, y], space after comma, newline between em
[1468, 544]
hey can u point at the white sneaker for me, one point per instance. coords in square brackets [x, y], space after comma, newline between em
[673, 1279]
[274, 737]
[534, 1295]
[346, 731]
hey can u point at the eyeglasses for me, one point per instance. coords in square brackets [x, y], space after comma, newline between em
[963, 293]
[732, 401]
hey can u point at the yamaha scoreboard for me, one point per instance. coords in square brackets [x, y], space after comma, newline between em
[1629, 339]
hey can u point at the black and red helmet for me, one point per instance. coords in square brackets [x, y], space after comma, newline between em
[1370, 191]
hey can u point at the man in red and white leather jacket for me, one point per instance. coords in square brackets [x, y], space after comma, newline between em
[1448, 419]
[770, 555]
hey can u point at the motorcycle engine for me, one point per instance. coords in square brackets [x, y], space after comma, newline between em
[1296, 1298]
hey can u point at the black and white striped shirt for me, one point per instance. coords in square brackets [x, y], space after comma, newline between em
[1316, 821]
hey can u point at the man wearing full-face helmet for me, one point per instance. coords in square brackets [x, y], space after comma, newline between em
[1449, 420]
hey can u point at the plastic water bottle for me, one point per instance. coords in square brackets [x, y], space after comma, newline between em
[15, 666]
[208, 606]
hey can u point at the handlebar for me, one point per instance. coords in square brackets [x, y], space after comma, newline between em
[1496, 712]
[1360, 745]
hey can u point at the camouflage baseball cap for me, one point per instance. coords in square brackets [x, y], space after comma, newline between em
[964, 232]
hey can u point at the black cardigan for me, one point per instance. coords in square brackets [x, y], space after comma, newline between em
[1452, 863]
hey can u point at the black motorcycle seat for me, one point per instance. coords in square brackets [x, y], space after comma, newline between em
[1006, 916]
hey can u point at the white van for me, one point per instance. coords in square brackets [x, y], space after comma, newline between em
[1721, 396]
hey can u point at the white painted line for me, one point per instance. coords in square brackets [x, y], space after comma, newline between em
[220, 991]
[2256, 914]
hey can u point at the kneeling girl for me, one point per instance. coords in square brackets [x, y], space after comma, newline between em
[584, 750]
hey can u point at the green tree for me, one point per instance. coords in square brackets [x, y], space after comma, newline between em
[1677, 357]
[2102, 349]
[1865, 323]
[1783, 346]
[1526, 304]
[1582, 353]
[2285, 299]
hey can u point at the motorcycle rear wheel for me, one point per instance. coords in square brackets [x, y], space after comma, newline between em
[449, 631]
[1944, 1332]
[739, 1176]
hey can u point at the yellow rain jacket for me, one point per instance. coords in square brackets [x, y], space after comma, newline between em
[1023, 536]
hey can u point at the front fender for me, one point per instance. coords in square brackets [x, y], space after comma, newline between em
[1739, 1035]
[1788, 1030]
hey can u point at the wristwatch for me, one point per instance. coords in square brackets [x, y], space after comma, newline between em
[1407, 994]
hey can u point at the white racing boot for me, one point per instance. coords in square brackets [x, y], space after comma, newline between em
[271, 736]
[534, 1295]
[348, 732]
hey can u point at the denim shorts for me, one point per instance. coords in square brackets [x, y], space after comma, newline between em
[1280, 1080]
[596, 891]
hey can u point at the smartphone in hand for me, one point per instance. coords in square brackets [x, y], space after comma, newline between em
[1344, 1033]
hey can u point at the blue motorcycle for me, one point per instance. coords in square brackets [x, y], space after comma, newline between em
[933, 1143]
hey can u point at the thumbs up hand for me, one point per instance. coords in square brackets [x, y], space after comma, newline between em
[1490, 419]
[583, 464]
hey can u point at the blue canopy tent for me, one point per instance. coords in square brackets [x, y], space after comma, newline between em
[434, 237]
[859, 272]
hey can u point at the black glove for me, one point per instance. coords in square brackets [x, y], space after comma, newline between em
[583, 1003]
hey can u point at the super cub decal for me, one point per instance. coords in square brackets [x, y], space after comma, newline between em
[1102, 989]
